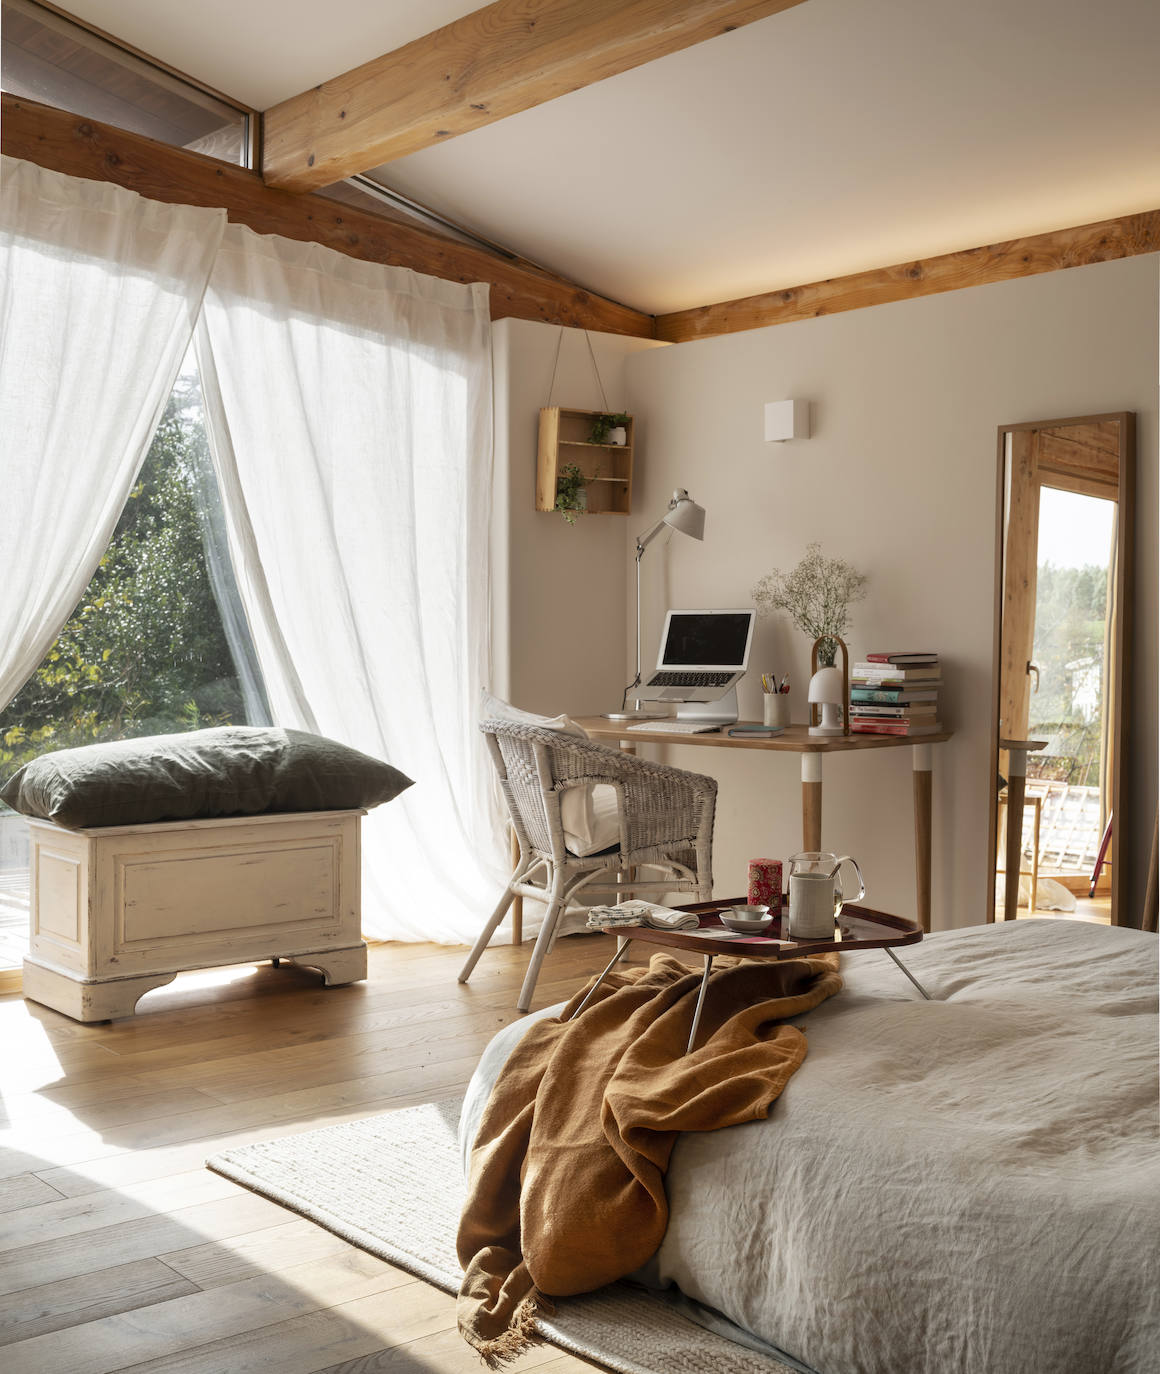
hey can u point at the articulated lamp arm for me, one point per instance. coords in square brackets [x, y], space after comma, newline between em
[682, 514]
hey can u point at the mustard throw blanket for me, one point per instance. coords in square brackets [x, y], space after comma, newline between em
[566, 1184]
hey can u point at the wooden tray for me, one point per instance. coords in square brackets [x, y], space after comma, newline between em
[859, 927]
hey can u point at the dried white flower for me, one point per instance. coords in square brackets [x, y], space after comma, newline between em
[816, 595]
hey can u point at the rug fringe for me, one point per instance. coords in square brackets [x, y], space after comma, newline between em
[519, 1337]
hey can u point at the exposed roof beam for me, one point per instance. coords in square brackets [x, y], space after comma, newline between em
[494, 62]
[83, 148]
[1026, 257]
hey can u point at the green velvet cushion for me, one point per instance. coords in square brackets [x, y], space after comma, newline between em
[233, 771]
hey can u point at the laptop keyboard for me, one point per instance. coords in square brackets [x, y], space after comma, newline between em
[670, 679]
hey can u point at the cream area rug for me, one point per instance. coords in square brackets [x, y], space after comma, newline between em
[393, 1185]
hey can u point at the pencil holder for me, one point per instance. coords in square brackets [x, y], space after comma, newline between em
[775, 707]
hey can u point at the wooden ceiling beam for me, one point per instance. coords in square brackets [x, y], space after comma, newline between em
[494, 62]
[84, 148]
[1088, 243]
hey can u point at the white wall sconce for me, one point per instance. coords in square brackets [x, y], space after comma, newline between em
[786, 420]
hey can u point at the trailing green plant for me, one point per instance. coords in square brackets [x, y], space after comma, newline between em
[570, 487]
[816, 595]
[603, 425]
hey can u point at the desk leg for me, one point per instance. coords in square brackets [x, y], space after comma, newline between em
[812, 802]
[517, 901]
[1016, 791]
[1037, 802]
[922, 767]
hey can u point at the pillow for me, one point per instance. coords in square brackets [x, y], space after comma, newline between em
[494, 708]
[229, 771]
[591, 818]
[589, 815]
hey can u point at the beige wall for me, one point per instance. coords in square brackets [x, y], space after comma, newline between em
[559, 608]
[899, 477]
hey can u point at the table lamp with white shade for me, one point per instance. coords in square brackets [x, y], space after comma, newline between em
[685, 515]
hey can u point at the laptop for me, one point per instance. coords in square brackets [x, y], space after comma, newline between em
[703, 654]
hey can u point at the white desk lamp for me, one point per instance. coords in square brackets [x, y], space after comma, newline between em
[685, 515]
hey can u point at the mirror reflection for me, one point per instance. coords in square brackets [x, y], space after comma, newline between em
[1062, 597]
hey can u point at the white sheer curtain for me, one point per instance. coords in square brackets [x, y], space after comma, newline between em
[99, 293]
[349, 408]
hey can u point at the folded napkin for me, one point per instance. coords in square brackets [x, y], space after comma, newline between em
[641, 914]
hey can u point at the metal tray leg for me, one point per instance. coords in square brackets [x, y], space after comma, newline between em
[700, 1002]
[622, 945]
[908, 973]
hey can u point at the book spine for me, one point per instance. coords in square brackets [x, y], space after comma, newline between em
[888, 695]
[866, 682]
[876, 671]
[881, 727]
[861, 711]
[913, 659]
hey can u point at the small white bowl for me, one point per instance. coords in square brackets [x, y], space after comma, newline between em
[747, 920]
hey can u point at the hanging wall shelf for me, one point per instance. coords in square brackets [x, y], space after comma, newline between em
[564, 438]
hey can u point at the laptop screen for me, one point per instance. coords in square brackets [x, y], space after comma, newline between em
[694, 639]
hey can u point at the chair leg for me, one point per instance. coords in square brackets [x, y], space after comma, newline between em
[488, 931]
[543, 943]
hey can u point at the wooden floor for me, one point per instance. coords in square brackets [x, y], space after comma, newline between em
[120, 1251]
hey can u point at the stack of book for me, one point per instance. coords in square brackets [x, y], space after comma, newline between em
[895, 694]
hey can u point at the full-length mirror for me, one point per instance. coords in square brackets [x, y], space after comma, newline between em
[1063, 644]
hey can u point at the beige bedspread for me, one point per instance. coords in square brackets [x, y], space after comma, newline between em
[970, 1184]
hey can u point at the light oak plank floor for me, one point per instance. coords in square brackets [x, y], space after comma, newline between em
[119, 1251]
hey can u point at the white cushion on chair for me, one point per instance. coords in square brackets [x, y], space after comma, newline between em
[591, 818]
[589, 814]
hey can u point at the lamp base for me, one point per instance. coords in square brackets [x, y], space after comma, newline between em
[831, 721]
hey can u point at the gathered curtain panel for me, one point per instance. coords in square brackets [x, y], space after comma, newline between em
[349, 411]
[100, 290]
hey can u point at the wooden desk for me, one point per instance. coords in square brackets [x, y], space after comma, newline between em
[796, 739]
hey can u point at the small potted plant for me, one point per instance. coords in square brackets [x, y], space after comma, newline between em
[571, 492]
[609, 429]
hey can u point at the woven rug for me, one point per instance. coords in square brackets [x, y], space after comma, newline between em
[393, 1185]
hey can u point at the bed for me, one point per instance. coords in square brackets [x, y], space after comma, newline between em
[971, 1183]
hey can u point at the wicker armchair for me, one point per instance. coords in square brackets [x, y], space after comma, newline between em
[666, 823]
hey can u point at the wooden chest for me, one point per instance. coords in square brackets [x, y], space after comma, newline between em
[123, 909]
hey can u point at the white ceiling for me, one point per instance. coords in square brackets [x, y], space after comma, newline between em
[838, 136]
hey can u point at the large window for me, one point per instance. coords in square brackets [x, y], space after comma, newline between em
[156, 646]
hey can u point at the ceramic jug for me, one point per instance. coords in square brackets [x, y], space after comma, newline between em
[817, 895]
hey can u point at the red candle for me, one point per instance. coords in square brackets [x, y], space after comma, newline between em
[765, 884]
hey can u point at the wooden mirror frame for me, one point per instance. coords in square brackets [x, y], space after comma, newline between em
[1123, 630]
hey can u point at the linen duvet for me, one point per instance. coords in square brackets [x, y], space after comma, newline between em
[971, 1183]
